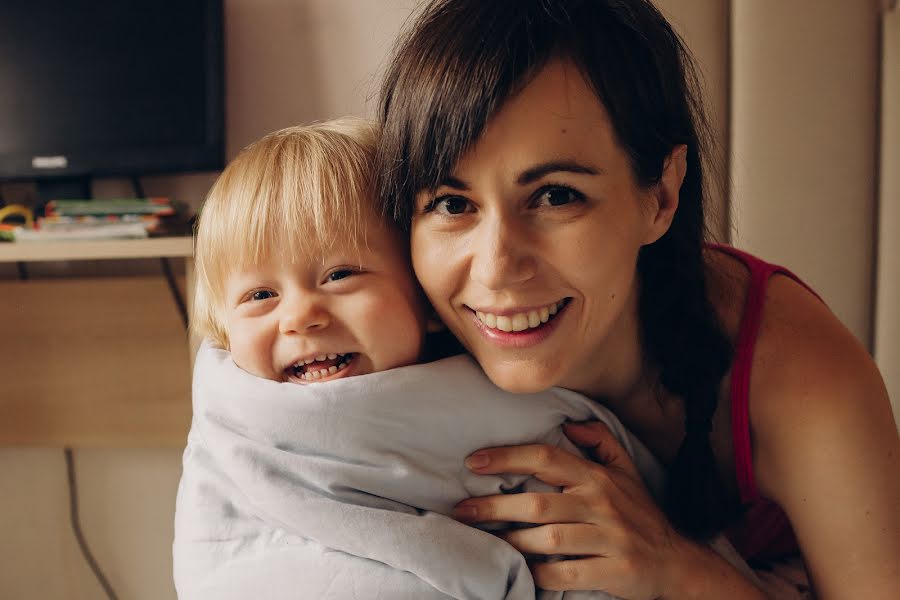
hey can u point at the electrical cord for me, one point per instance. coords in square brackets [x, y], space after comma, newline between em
[176, 292]
[76, 528]
[138, 189]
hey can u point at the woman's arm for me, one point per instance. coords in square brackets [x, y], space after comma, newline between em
[826, 446]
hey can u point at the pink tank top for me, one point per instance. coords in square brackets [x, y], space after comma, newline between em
[763, 531]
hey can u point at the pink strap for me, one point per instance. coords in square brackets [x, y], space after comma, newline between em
[760, 272]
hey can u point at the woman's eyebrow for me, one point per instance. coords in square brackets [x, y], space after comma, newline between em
[538, 171]
[532, 174]
[455, 183]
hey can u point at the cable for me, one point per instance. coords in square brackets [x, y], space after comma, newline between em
[76, 528]
[166, 265]
[176, 293]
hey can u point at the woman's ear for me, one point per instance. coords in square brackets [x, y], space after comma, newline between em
[664, 199]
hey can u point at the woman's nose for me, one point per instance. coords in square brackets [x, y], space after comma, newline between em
[303, 315]
[502, 255]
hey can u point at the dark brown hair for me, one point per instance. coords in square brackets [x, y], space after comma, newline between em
[457, 66]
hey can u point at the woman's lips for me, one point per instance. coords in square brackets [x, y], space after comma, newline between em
[528, 335]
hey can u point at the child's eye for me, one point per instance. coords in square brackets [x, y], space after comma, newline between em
[339, 274]
[261, 295]
[557, 195]
[448, 205]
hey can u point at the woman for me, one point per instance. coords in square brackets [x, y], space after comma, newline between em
[547, 157]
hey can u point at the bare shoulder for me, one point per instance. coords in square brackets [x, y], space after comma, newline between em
[825, 445]
[810, 376]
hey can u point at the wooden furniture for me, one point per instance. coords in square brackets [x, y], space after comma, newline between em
[94, 362]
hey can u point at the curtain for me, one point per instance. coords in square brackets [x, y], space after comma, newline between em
[804, 98]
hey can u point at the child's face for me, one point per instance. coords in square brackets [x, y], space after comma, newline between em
[354, 312]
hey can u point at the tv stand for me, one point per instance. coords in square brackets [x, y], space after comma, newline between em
[94, 361]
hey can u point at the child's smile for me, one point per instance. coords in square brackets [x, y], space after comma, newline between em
[324, 367]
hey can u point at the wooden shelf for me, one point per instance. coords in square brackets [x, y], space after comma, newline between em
[96, 249]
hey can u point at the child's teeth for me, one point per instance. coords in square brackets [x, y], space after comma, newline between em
[332, 369]
[321, 357]
[332, 356]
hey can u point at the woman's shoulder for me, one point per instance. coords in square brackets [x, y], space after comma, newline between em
[808, 373]
[814, 389]
[825, 444]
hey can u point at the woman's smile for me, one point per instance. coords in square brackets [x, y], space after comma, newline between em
[519, 328]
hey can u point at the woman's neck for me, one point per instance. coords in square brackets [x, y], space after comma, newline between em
[623, 381]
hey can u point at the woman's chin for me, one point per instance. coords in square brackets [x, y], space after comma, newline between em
[519, 378]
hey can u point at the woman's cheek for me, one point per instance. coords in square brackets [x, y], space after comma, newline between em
[433, 263]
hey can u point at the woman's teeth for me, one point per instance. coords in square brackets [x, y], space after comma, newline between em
[310, 370]
[520, 321]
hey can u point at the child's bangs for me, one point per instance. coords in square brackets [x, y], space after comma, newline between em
[297, 193]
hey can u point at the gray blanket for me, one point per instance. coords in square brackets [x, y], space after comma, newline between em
[340, 490]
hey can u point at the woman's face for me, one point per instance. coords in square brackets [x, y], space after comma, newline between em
[528, 251]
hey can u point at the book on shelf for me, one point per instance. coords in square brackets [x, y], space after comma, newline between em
[106, 207]
[116, 231]
[123, 218]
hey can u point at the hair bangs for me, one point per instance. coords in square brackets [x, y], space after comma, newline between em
[441, 89]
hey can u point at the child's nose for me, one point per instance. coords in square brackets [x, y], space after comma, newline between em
[303, 316]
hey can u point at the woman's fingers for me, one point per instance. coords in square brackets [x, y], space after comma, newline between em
[601, 442]
[570, 575]
[557, 538]
[525, 508]
[549, 464]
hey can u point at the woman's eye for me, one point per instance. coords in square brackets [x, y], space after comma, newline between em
[340, 274]
[448, 205]
[558, 196]
[262, 295]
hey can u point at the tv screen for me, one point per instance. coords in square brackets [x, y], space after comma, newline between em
[110, 87]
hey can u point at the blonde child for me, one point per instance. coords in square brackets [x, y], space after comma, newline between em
[297, 275]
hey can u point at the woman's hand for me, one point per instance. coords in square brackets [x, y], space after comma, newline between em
[604, 516]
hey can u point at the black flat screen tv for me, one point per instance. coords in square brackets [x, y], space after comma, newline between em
[110, 87]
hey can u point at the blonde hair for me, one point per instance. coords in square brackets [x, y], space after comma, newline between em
[292, 193]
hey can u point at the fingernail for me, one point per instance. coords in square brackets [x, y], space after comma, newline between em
[478, 460]
[465, 513]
